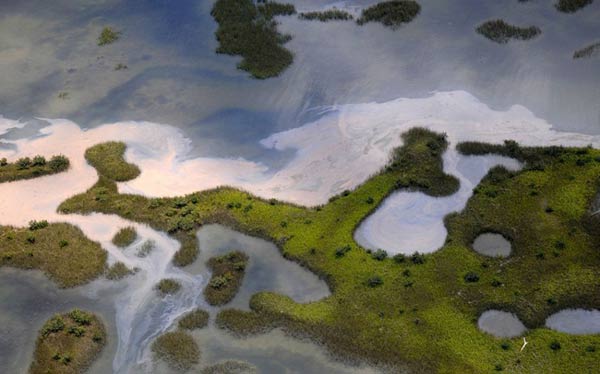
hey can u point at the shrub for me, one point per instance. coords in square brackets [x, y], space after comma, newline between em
[555, 345]
[399, 258]
[78, 331]
[24, 163]
[118, 271]
[108, 36]
[327, 15]
[417, 258]
[390, 13]
[38, 161]
[379, 255]
[3, 161]
[37, 225]
[63, 243]
[471, 277]
[124, 237]
[228, 272]
[145, 249]
[168, 286]
[196, 319]
[370, 200]
[571, 6]
[341, 252]
[80, 317]
[374, 281]
[501, 32]
[54, 324]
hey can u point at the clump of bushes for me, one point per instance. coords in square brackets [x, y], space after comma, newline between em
[118, 271]
[390, 13]
[178, 349]
[327, 15]
[374, 281]
[168, 286]
[501, 32]
[341, 252]
[108, 35]
[379, 255]
[471, 277]
[270, 9]
[125, 237]
[227, 275]
[196, 319]
[571, 6]
[27, 168]
[37, 225]
[589, 51]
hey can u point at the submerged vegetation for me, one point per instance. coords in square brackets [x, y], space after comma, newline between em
[227, 275]
[178, 349]
[390, 13]
[249, 31]
[327, 15]
[385, 309]
[571, 6]
[587, 52]
[196, 319]
[108, 35]
[125, 237]
[68, 343]
[60, 250]
[501, 32]
[28, 168]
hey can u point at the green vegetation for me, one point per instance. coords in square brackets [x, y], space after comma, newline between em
[118, 271]
[385, 311]
[571, 6]
[196, 319]
[125, 237]
[390, 13]
[27, 168]
[587, 52]
[121, 66]
[108, 160]
[501, 32]
[68, 343]
[146, 248]
[60, 250]
[230, 367]
[227, 275]
[108, 35]
[249, 31]
[327, 15]
[168, 286]
[177, 349]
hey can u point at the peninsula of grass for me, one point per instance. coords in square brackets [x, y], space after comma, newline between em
[501, 32]
[125, 237]
[196, 319]
[248, 30]
[390, 13]
[571, 6]
[168, 286]
[60, 250]
[227, 275]
[108, 35]
[327, 15]
[68, 343]
[385, 310]
[107, 159]
[28, 168]
[178, 349]
[587, 52]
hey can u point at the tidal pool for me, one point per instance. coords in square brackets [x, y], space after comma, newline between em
[575, 321]
[267, 270]
[493, 245]
[501, 324]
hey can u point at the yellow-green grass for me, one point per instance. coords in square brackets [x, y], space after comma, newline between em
[195, 319]
[227, 275]
[118, 271]
[178, 349]
[108, 160]
[28, 168]
[230, 367]
[168, 286]
[421, 316]
[108, 35]
[125, 237]
[68, 343]
[60, 250]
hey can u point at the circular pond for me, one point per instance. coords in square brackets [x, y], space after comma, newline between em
[501, 324]
[492, 245]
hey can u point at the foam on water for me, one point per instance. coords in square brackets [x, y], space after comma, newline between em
[337, 152]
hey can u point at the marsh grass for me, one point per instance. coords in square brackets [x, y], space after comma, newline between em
[501, 32]
[230, 367]
[178, 349]
[587, 52]
[118, 271]
[107, 159]
[168, 286]
[390, 13]
[108, 35]
[571, 6]
[26, 168]
[327, 15]
[196, 319]
[125, 237]
[227, 275]
[391, 324]
[68, 343]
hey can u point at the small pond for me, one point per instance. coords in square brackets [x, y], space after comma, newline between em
[501, 324]
[492, 245]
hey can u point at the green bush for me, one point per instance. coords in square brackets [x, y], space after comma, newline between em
[379, 255]
[501, 32]
[390, 13]
[327, 15]
[80, 317]
[108, 36]
[37, 225]
[168, 286]
[555, 345]
[59, 163]
[471, 277]
[24, 163]
[571, 6]
[54, 324]
[374, 281]
[38, 161]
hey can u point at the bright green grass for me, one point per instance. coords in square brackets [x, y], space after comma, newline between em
[423, 316]
[108, 160]
[27, 168]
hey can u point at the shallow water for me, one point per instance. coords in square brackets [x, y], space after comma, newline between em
[501, 324]
[575, 321]
[267, 270]
[493, 245]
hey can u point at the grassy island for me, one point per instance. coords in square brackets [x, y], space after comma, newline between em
[196, 319]
[501, 32]
[168, 286]
[178, 349]
[587, 52]
[571, 6]
[107, 159]
[248, 30]
[227, 275]
[60, 250]
[419, 312]
[108, 35]
[125, 237]
[327, 15]
[68, 343]
[390, 13]
[28, 168]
